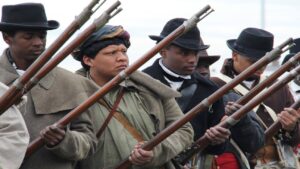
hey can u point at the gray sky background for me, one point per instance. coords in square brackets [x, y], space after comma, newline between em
[147, 17]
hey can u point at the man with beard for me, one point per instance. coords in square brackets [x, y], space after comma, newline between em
[24, 29]
[251, 45]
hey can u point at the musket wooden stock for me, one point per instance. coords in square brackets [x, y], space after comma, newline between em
[200, 144]
[118, 79]
[97, 24]
[276, 126]
[203, 142]
[149, 145]
[6, 100]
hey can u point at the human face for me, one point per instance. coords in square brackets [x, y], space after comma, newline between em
[241, 63]
[203, 69]
[108, 62]
[26, 45]
[179, 60]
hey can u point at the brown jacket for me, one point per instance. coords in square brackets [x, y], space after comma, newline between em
[277, 101]
[52, 98]
[161, 106]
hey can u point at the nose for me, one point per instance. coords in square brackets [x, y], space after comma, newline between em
[122, 56]
[192, 58]
[37, 41]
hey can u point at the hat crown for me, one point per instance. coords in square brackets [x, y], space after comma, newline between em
[13, 13]
[192, 34]
[257, 39]
[25, 16]
[189, 40]
[252, 42]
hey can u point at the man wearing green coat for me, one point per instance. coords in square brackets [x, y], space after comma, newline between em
[147, 105]
[24, 28]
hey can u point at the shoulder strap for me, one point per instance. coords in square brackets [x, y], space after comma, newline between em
[119, 117]
[243, 91]
[242, 155]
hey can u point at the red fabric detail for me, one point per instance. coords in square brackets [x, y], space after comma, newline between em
[227, 161]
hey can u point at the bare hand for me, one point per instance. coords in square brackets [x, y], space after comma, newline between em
[288, 118]
[231, 107]
[52, 135]
[139, 156]
[217, 135]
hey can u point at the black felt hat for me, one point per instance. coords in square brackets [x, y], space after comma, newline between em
[190, 40]
[30, 16]
[207, 59]
[252, 42]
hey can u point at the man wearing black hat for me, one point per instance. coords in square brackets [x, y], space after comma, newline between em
[176, 69]
[204, 62]
[251, 45]
[24, 28]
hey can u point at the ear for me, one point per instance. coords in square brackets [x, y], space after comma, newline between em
[7, 38]
[88, 61]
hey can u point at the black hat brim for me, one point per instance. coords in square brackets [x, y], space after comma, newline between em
[51, 24]
[183, 45]
[209, 59]
[250, 53]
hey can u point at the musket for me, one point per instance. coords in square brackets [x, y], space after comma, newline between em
[276, 126]
[18, 85]
[97, 24]
[203, 142]
[204, 104]
[186, 26]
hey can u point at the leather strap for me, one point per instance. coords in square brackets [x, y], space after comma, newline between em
[111, 110]
[120, 117]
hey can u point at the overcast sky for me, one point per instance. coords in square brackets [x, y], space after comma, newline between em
[147, 17]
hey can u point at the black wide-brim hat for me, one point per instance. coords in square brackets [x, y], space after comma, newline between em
[190, 40]
[253, 43]
[207, 59]
[26, 16]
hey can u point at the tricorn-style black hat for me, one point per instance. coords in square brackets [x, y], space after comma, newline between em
[25, 16]
[190, 40]
[252, 42]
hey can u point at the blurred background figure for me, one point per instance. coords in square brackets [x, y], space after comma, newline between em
[204, 62]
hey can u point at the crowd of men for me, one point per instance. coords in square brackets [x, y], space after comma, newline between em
[143, 105]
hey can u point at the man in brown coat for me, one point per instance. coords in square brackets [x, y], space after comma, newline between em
[24, 28]
[251, 45]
